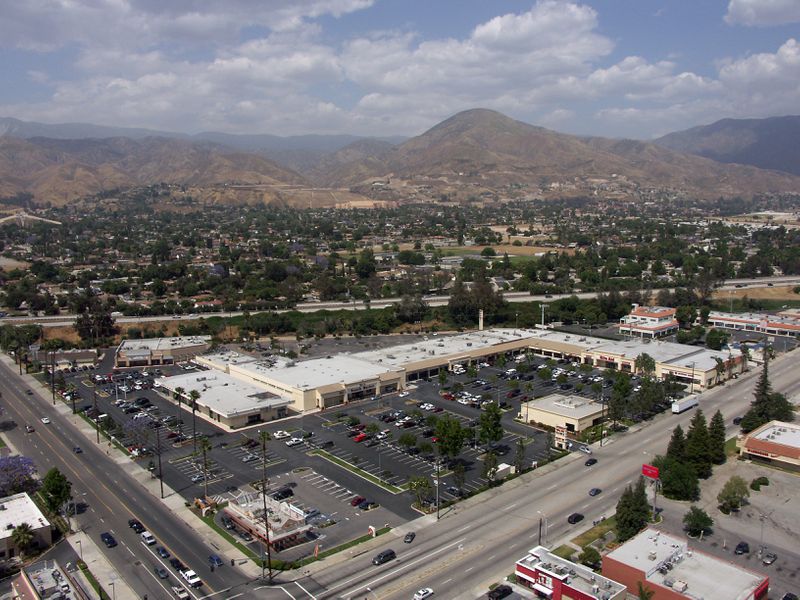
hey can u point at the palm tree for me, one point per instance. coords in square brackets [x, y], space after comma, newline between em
[644, 592]
[205, 447]
[22, 536]
[193, 396]
[178, 394]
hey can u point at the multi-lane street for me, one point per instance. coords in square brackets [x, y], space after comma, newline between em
[111, 495]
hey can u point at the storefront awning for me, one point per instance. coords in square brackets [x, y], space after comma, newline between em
[542, 590]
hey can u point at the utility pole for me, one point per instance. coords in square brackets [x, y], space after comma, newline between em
[96, 420]
[158, 451]
[438, 466]
[264, 437]
[53, 375]
[602, 415]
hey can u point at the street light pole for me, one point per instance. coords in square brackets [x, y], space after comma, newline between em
[96, 420]
[438, 466]
[53, 375]
[158, 451]
[80, 548]
[113, 590]
[264, 436]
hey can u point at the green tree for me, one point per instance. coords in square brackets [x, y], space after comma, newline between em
[451, 436]
[733, 494]
[633, 511]
[22, 535]
[678, 479]
[698, 446]
[205, 448]
[697, 521]
[645, 364]
[459, 475]
[407, 440]
[766, 405]
[716, 438]
[490, 466]
[519, 455]
[421, 488]
[491, 430]
[56, 490]
[590, 557]
[643, 592]
[677, 444]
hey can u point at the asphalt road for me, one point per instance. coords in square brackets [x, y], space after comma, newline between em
[110, 494]
[66, 320]
[479, 542]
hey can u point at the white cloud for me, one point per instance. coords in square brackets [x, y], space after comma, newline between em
[762, 12]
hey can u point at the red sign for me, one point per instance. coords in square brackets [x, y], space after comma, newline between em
[650, 471]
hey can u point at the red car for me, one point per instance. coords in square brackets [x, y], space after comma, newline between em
[357, 500]
[360, 437]
[448, 396]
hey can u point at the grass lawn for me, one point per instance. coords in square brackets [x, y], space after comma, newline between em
[730, 447]
[596, 532]
[564, 551]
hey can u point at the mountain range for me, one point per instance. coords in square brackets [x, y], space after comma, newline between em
[772, 143]
[477, 149]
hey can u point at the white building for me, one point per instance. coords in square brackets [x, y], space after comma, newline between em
[14, 511]
[649, 322]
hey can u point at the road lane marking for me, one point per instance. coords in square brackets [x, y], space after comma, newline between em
[310, 595]
[463, 529]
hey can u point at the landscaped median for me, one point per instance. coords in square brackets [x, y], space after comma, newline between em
[392, 489]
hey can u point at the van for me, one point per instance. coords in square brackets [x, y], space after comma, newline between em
[384, 557]
[148, 538]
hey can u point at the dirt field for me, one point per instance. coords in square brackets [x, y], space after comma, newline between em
[761, 293]
[8, 264]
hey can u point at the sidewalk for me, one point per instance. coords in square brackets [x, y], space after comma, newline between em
[100, 568]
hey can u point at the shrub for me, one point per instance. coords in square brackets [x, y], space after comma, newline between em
[756, 484]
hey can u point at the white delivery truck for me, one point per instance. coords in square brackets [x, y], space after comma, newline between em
[684, 404]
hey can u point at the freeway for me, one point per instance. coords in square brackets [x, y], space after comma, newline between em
[66, 320]
[479, 541]
[110, 494]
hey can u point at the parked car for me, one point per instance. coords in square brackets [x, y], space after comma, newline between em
[280, 434]
[357, 500]
[742, 548]
[501, 591]
[769, 558]
[384, 557]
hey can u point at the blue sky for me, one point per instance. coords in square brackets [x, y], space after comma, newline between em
[619, 68]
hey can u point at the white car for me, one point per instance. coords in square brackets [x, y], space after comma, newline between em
[180, 593]
[404, 394]
[295, 441]
[382, 435]
[423, 593]
[280, 434]
[46, 420]
[191, 578]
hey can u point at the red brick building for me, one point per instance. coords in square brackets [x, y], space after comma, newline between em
[666, 565]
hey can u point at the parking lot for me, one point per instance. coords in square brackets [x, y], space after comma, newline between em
[368, 450]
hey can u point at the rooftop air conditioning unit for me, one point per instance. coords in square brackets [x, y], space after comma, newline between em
[652, 556]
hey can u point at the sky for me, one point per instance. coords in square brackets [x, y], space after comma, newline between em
[617, 68]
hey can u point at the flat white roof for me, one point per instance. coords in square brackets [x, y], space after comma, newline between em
[18, 509]
[224, 394]
[227, 357]
[787, 434]
[669, 353]
[575, 407]
[705, 576]
[167, 343]
[317, 372]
